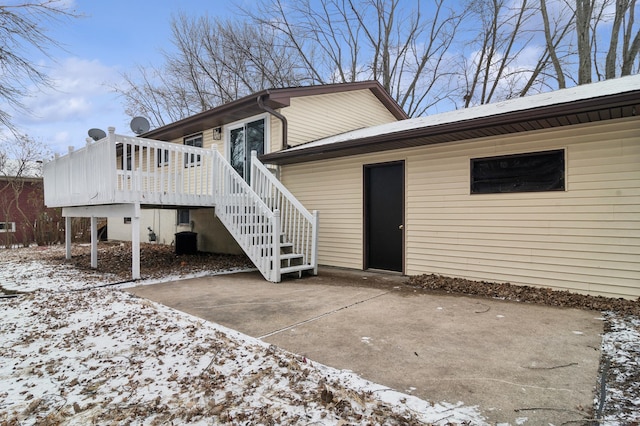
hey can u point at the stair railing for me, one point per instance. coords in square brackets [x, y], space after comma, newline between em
[297, 224]
[250, 221]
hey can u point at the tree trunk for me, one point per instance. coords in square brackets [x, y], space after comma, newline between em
[584, 11]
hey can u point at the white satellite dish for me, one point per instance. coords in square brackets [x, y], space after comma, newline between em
[97, 134]
[139, 125]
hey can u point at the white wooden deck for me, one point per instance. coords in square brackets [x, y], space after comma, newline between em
[119, 175]
[121, 170]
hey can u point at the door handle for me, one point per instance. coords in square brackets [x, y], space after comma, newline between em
[401, 227]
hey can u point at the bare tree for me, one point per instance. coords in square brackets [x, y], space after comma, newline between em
[406, 50]
[624, 20]
[554, 33]
[493, 70]
[23, 28]
[19, 163]
[214, 62]
[425, 54]
[584, 12]
[590, 20]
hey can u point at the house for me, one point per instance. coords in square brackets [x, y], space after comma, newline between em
[272, 119]
[23, 217]
[542, 190]
[198, 175]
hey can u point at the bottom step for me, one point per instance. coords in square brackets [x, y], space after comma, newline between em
[297, 268]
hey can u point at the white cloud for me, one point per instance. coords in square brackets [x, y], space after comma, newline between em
[81, 98]
[78, 85]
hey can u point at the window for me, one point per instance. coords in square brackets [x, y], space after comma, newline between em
[244, 138]
[531, 172]
[192, 159]
[163, 156]
[129, 156]
[127, 220]
[184, 217]
[7, 227]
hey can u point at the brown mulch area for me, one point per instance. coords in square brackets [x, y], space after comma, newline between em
[156, 260]
[520, 293]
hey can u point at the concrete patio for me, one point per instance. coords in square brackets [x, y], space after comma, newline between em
[519, 363]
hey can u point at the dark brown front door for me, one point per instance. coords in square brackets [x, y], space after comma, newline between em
[384, 216]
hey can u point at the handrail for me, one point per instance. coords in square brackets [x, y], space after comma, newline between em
[298, 225]
[250, 221]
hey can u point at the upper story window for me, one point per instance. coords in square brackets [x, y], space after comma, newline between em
[530, 172]
[193, 159]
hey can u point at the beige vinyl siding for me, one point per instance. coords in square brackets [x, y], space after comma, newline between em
[275, 135]
[584, 239]
[314, 117]
[334, 188]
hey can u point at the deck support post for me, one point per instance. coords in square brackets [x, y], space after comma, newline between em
[94, 242]
[135, 243]
[67, 237]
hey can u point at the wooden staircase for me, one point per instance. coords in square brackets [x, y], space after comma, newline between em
[277, 233]
[115, 176]
[290, 262]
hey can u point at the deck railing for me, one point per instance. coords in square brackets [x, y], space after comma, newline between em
[261, 216]
[252, 223]
[298, 226]
[124, 169]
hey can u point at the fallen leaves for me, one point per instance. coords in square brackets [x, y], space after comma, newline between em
[521, 293]
[102, 356]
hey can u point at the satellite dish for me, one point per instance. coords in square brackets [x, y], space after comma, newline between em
[139, 125]
[97, 134]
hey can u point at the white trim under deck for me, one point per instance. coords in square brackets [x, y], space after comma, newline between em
[118, 175]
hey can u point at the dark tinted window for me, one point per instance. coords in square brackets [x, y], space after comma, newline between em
[184, 217]
[538, 171]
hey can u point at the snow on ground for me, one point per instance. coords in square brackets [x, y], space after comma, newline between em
[100, 355]
[29, 269]
[621, 364]
[106, 356]
[73, 353]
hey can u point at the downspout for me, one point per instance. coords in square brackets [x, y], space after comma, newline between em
[280, 117]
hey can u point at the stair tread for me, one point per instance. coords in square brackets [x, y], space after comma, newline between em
[296, 268]
[290, 256]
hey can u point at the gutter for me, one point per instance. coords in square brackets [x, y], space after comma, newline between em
[279, 116]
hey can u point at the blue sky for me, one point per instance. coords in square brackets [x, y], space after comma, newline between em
[112, 37]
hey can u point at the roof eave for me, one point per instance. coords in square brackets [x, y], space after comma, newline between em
[274, 98]
[434, 134]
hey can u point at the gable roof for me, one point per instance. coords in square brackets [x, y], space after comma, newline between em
[605, 100]
[274, 98]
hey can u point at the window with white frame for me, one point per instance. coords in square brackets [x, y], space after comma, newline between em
[162, 156]
[193, 159]
[7, 227]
